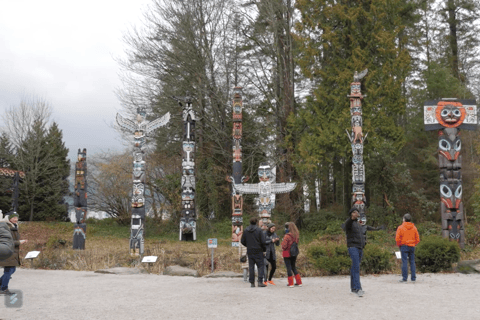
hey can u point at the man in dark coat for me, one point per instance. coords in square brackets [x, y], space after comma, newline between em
[6, 241]
[254, 239]
[13, 261]
[355, 244]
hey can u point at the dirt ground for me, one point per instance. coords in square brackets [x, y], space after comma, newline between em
[87, 295]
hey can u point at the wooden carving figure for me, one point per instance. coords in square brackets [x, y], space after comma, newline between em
[449, 116]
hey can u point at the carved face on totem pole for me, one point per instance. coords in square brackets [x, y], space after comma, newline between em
[237, 130]
[265, 172]
[451, 194]
[449, 145]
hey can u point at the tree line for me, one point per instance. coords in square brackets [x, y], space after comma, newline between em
[295, 61]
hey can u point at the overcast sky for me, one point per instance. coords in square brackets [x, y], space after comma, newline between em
[64, 51]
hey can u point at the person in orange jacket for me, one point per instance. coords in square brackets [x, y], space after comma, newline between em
[407, 238]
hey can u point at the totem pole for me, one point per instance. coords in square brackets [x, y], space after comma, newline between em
[448, 116]
[357, 139]
[236, 178]
[141, 128]
[80, 200]
[265, 188]
[188, 221]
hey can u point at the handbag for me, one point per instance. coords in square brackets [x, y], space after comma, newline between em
[294, 250]
[243, 259]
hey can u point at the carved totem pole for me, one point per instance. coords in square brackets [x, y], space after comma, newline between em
[357, 139]
[141, 128]
[265, 188]
[80, 201]
[237, 178]
[188, 221]
[448, 116]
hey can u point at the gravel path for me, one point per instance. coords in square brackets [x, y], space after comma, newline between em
[88, 295]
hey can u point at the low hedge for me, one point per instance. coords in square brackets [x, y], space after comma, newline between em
[434, 254]
[332, 259]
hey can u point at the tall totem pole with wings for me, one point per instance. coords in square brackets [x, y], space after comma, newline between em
[357, 139]
[188, 220]
[449, 116]
[80, 201]
[141, 129]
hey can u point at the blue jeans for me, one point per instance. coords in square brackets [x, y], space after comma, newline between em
[5, 279]
[356, 256]
[408, 253]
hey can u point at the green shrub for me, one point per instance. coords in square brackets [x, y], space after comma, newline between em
[376, 259]
[330, 258]
[434, 254]
[428, 228]
[472, 234]
[334, 259]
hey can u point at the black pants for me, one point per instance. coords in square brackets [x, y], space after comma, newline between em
[256, 259]
[273, 263]
[290, 264]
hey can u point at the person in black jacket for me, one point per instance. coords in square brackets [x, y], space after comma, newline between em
[355, 244]
[272, 240]
[254, 239]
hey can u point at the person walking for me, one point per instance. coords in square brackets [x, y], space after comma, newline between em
[6, 242]
[254, 239]
[291, 236]
[272, 240]
[355, 244]
[13, 261]
[407, 238]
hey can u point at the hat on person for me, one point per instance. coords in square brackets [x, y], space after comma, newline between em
[270, 225]
[352, 210]
[12, 215]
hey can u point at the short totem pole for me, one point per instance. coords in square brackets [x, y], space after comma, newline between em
[188, 220]
[80, 201]
[265, 188]
[141, 129]
[448, 116]
[237, 178]
[357, 139]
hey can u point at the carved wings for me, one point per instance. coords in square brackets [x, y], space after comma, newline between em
[148, 127]
[157, 123]
[283, 187]
[255, 188]
[359, 76]
[246, 188]
[125, 123]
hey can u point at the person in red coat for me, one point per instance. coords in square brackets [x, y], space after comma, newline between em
[407, 238]
[291, 235]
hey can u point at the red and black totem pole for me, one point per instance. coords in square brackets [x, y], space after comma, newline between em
[80, 201]
[449, 116]
[237, 178]
[357, 139]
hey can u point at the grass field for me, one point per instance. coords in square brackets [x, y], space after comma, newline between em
[107, 246]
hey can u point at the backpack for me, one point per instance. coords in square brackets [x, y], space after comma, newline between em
[294, 250]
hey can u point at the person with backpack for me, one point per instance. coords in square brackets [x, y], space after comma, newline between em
[290, 253]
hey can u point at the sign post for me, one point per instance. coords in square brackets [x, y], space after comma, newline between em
[212, 243]
[32, 255]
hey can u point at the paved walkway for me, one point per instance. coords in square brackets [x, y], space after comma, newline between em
[88, 295]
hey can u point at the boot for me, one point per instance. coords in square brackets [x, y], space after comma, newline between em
[261, 284]
[252, 284]
[298, 280]
[290, 282]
